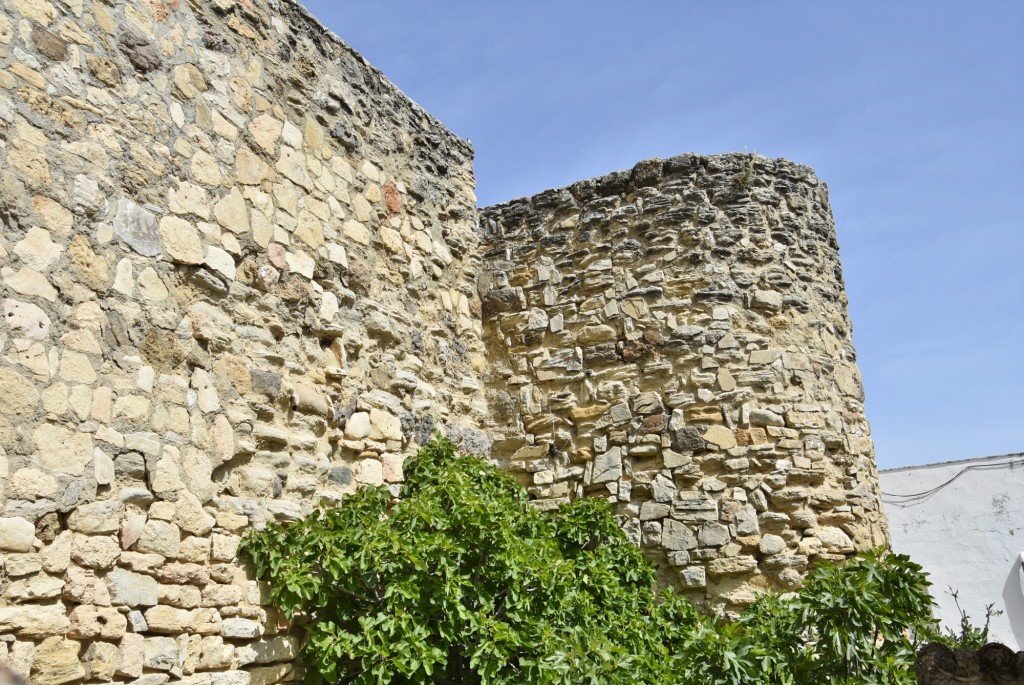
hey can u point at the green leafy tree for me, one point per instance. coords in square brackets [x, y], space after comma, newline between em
[462, 581]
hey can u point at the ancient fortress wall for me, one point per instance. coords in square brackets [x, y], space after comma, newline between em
[238, 276]
[675, 338]
[241, 273]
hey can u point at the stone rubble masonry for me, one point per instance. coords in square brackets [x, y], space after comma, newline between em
[675, 339]
[241, 274]
[238, 277]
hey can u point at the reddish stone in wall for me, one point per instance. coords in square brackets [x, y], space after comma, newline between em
[392, 198]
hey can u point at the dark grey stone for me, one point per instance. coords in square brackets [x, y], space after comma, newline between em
[340, 475]
[143, 54]
[266, 382]
[687, 439]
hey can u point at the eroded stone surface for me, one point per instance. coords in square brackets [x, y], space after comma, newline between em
[137, 227]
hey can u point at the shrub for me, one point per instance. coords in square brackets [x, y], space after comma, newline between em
[462, 581]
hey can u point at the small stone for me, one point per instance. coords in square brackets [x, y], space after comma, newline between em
[340, 475]
[83, 587]
[772, 544]
[53, 215]
[37, 250]
[292, 165]
[160, 537]
[39, 621]
[56, 662]
[131, 655]
[167, 621]
[151, 287]
[677, 536]
[232, 212]
[18, 565]
[358, 426]
[188, 198]
[101, 658]
[301, 263]
[357, 232]
[720, 436]
[104, 70]
[369, 472]
[33, 484]
[137, 227]
[648, 403]
[90, 622]
[730, 566]
[190, 516]
[693, 578]
[728, 342]
[96, 518]
[225, 547]
[249, 168]
[241, 628]
[362, 209]
[266, 383]
[265, 131]
[87, 267]
[277, 255]
[713, 535]
[763, 417]
[160, 653]
[75, 367]
[94, 552]
[20, 395]
[29, 283]
[220, 261]
[384, 426]
[392, 198]
[131, 589]
[181, 240]
[834, 540]
[144, 55]
[767, 299]
[49, 45]
[608, 466]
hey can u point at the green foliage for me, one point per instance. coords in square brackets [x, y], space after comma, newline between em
[461, 581]
[745, 178]
[969, 636]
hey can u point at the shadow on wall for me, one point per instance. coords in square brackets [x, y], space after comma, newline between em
[1013, 599]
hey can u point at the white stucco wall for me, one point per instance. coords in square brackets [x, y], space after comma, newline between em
[966, 527]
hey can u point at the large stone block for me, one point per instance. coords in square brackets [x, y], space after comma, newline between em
[16, 534]
[131, 589]
[56, 662]
[35, 621]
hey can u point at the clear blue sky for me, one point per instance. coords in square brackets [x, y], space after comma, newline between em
[912, 111]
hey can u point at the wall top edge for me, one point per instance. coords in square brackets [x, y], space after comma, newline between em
[1012, 456]
[650, 172]
[301, 12]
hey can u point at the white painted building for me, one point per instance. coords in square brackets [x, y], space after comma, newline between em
[964, 522]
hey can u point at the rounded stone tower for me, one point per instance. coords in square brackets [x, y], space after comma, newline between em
[676, 338]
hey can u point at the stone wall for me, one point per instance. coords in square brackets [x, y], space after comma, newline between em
[993, 664]
[675, 338]
[241, 274]
[238, 277]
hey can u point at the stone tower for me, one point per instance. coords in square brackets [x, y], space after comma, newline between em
[675, 338]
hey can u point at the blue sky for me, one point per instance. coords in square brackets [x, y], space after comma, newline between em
[912, 111]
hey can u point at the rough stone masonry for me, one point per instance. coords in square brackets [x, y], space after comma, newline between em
[676, 338]
[242, 274]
